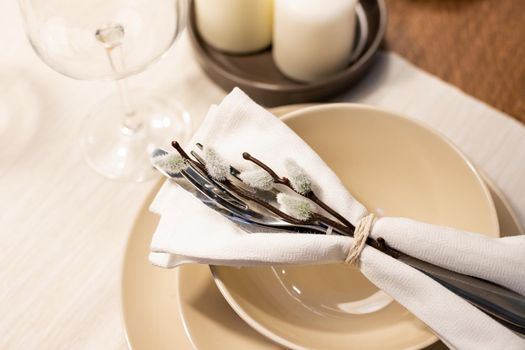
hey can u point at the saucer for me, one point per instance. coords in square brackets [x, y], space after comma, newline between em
[183, 309]
[258, 76]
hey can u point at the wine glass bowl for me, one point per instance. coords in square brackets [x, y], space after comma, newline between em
[65, 36]
[113, 39]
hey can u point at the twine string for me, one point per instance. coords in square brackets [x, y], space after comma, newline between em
[361, 233]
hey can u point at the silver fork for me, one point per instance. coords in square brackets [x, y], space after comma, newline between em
[247, 213]
[205, 197]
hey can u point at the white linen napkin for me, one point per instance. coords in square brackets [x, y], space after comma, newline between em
[189, 232]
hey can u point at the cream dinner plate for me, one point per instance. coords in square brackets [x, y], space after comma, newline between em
[182, 308]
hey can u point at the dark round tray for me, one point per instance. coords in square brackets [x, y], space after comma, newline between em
[258, 76]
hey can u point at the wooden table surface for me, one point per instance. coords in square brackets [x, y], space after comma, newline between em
[477, 45]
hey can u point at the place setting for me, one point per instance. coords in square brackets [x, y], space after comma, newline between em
[332, 305]
[332, 195]
[332, 226]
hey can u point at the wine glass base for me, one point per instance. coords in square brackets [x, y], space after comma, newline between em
[121, 153]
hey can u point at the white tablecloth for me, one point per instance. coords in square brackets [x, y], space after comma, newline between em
[63, 228]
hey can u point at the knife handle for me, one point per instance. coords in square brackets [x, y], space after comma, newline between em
[502, 304]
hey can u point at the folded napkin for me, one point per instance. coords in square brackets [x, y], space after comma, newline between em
[189, 232]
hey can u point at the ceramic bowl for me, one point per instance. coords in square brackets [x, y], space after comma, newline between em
[395, 167]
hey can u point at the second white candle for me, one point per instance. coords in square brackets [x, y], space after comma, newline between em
[313, 39]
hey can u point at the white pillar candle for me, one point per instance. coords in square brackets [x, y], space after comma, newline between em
[313, 39]
[236, 26]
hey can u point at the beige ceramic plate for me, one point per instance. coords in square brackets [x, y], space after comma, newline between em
[395, 167]
[151, 296]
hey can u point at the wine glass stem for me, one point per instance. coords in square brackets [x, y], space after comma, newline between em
[131, 121]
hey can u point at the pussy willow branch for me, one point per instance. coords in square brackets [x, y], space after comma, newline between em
[237, 190]
[185, 155]
[310, 194]
[379, 244]
[252, 197]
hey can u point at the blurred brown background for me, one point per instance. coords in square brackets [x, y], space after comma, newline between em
[477, 45]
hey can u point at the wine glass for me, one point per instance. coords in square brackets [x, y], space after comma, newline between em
[113, 39]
